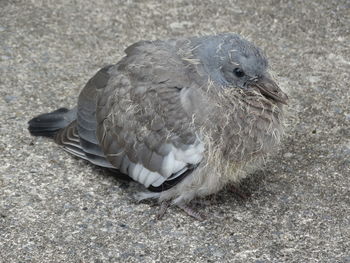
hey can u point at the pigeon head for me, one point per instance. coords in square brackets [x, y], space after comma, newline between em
[233, 62]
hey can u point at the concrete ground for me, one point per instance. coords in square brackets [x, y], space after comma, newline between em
[55, 208]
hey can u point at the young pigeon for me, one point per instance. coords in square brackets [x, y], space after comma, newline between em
[184, 117]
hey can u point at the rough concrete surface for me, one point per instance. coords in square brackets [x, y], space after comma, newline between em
[56, 208]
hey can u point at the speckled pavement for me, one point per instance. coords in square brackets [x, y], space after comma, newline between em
[56, 208]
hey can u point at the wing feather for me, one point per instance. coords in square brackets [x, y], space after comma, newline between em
[140, 111]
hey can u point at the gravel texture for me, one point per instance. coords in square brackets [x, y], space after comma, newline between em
[56, 208]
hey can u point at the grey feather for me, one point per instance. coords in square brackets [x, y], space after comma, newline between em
[48, 124]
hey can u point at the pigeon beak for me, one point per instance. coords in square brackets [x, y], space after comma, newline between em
[270, 89]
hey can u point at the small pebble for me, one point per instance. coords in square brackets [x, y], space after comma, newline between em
[9, 98]
[288, 155]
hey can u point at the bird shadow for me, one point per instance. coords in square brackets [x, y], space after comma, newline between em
[251, 188]
[248, 189]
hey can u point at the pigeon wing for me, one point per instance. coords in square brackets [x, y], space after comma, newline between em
[142, 126]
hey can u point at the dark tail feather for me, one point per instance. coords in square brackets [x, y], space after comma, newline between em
[48, 124]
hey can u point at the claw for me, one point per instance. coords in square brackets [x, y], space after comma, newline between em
[192, 212]
[185, 207]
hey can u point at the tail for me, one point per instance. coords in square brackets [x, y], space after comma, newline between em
[48, 124]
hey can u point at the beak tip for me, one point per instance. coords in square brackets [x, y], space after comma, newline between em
[271, 90]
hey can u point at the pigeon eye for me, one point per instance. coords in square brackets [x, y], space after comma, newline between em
[238, 72]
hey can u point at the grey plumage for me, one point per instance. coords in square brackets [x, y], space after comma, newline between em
[184, 117]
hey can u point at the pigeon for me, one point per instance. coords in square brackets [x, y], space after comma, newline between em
[183, 117]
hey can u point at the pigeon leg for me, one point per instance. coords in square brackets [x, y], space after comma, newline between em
[163, 207]
[192, 212]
